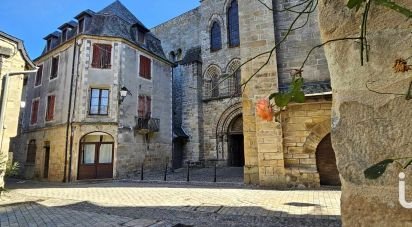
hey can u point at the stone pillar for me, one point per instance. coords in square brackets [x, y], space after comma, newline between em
[368, 127]
[264, 162]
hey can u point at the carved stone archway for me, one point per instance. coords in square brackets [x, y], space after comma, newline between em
[318, 132]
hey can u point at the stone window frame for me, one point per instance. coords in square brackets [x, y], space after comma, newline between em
[229, 23]
[31, 111]
[41, 69]
[51, 78]
[211, 76]
[99, 105]
[234, 84]
[145, 77]
[215, 36]
[46, 117]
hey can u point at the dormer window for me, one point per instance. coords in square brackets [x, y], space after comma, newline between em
[81, 26]
[140, 36]
[49, 43]
[64, 35]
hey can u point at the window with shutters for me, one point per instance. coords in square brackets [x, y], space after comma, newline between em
[144, 109]
[50, 107]
[102, 55]
[39, 76]
[215, 37]
[99, 101]
[54, 67]
[34, 111]
[233, 24]
[145, 70]
[31, 152]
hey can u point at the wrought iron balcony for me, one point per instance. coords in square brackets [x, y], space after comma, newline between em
[146, 125]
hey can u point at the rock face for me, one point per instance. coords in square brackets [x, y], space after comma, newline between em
[368, 127]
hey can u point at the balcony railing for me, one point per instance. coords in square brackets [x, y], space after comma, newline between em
[146, 125]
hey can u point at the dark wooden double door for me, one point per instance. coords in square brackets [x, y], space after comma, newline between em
[236, 151]
[96, 160]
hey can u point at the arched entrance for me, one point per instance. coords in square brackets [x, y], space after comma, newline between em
[236, 154]
[326, 163]
[96, 156]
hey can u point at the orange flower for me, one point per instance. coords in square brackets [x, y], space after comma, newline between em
[264, 110]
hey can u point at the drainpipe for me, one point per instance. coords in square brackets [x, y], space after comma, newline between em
[4, 94]
[65, 178]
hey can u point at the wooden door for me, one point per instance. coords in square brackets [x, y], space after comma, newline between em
[46, 162]
[96, 160]
[236, 155]
[326, 163]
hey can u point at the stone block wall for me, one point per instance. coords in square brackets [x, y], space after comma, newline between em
[304, 126]
[293, 51]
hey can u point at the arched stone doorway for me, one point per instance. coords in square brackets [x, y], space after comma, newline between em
[236, 154]
[326, 163]
[96, 156]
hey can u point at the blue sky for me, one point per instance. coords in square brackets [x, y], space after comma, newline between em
[31, 20]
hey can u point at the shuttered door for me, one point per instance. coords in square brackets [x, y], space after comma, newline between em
[326, 163]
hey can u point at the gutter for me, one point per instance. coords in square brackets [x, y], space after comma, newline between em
[69, 126]
[4, 94]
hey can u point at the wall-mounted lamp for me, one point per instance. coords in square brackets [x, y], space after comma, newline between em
[123, 93]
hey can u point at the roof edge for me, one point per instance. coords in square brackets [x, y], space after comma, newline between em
[20, 46]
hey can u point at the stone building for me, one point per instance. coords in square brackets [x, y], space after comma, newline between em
[14, 68]
[100, 104]
[214, 117]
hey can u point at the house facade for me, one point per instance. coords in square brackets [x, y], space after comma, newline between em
[100, 104]
[14, 65]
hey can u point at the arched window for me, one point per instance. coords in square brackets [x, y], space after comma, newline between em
[211, 82]
[215, 37]
[233, 24]
[235, 80]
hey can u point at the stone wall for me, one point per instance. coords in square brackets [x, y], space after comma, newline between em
[13, 63]
[293, 51]
[304, 126]
[54, 136]
[368, 127]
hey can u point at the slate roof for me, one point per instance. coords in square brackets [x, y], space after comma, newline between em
[71, 24]
[20, 46]
[116, 21]
[313, 87]
[192, 55]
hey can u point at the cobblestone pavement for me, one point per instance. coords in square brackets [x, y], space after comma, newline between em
[138, 204]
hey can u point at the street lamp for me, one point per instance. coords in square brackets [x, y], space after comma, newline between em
[123, 93]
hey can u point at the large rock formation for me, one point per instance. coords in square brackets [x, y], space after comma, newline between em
[368, 127]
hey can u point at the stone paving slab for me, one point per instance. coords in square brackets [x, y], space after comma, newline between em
[119, 203]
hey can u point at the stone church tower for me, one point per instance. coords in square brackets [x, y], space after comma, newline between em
[214, 118]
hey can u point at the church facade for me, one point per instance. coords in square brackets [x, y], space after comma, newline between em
[214, 116]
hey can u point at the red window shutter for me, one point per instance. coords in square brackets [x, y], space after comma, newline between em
[50, 107]
[96, 56]
[141, 106]
[148, 107]
[34, 110]
[145, 67]
[107, 56]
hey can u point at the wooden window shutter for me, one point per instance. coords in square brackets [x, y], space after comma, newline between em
[145, 67]
[141, 106]
[148, 107]
[50, 107]
[34, 110]
[96, 56]
[39, 75]
[107, 56]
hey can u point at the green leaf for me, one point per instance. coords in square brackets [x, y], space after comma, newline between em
[296, 85]
[354, 3]
[398, 8]
[273, 95]
[299, 97]
[282, 99]
[377, 170]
